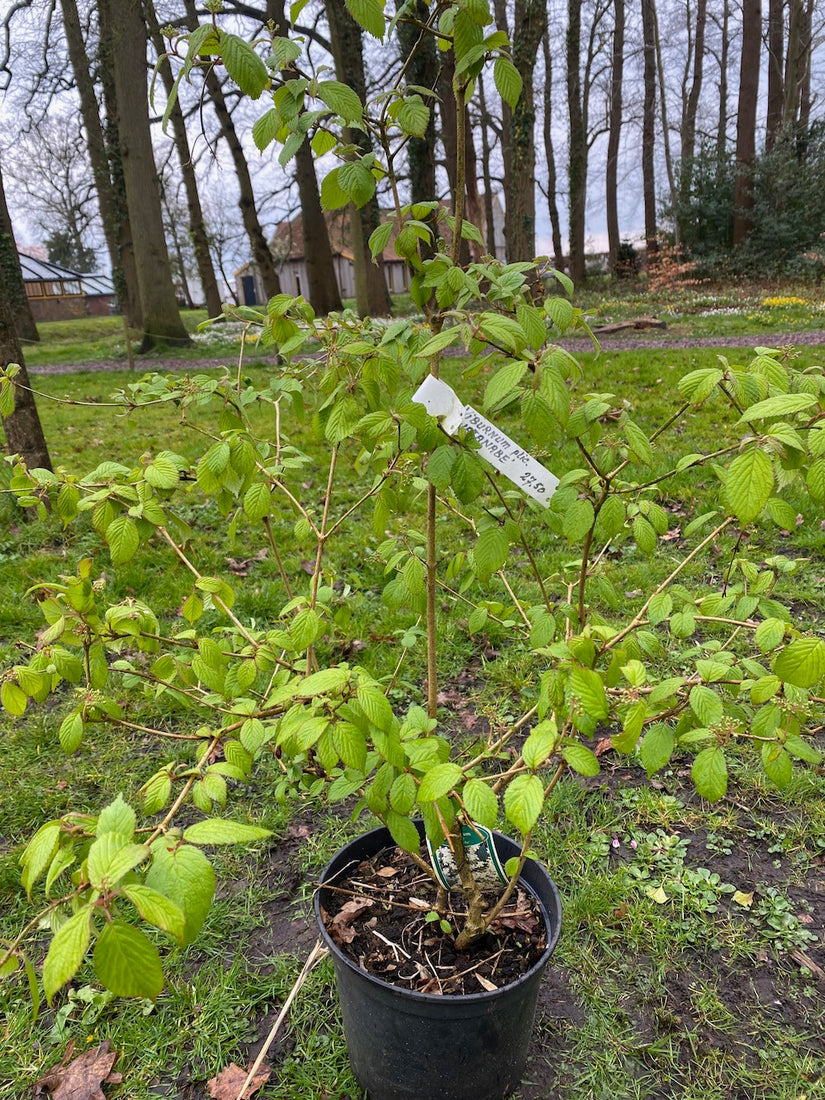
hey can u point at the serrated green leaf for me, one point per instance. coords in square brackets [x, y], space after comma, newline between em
[13, 699]
[357, 182]
[776, 763]
[802, 663]
[577, 521]
[243, 65]
[439, 781]
[70, 733]
[710, 773]
[523, 800]
[660, 607]
[706, 705]
[220, 831]
[657, 747]
[490, 551]
[481, 802]
[748, 484]
[507, 80]
[183, 874]
[257, 502]
[123, 540]
[403, 832]
[380, 238]
[402, 793]
[126, 962]
[66, 951]
[39, 853]
[157, 909]
[333, 197]
[539, 745]
[341, 99]
[581, 759]
[783, 404]
[588, 688]
[368, 14]
[802, 749]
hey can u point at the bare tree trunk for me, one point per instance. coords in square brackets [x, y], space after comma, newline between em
[671, 176]
[125, 272]
[420, 48]
[323, 291]
[502, 24]
[790, 111]
[577, 158]
[12, 276]
[612, 169]
[99, 158]
[246, 202]
[549, 151]
[161, 319]
[724, 53]
[805, 76]
[649, 128]
[24, 433]
[776, 89]
[348, 54]
[197, 227]
[520, 224]
[746, 119]
[688, 143]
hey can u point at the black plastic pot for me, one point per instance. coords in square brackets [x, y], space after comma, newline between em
[405, 1045]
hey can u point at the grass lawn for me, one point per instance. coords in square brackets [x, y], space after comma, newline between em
[692, 956]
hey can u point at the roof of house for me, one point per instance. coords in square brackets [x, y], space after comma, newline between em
[35, 269]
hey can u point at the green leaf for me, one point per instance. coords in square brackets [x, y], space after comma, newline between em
[243, 65]
[660, 607]
[706, 705]
[440, 465]
[357, 182]
[508, 80]
[777, 763]
[783, 404]
[320, 683]
[467, 477]
[803, 750]
[539, 745]
[380, 238]
[699, 384]
[333, 197]
[580, 759]
[748, 484]
[67, 951]
[413, 116]
[656, 748]
[265, 128]
[481, 802]
[490, 551]
[70, 733]
[638, 443]
[117, 817]
[341, 99]
[578, 519]
[612, 516]
[588, 688]
[503, 386]
[183, 874]
[404, 833]
[710, 773]
[123, 540]
[523, 800]
[127, 963]
[162, 472]
[802, 663]
[157, 909]
[217, 830]
[343, 419]
[38, 854]
[257, 502]
[402, 793]
[13, 699]
[368, 14]
[439, 781]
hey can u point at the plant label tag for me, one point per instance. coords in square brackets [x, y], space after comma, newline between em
[497, 448]
[480, 850]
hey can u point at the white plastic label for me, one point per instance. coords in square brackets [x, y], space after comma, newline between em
[497, 448]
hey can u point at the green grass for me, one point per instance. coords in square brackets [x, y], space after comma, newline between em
[658, 995]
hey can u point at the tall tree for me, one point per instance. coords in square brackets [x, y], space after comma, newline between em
[776, 90]
[197, 226]
[649, 128]
[322, 284]
[13, 276]
[24, 433]
[161, 319]
[261, 254]
[746, 119]
[549, 150]
[690, 104]
[418, 46]
[615, 125]
[104, 156]
[724, 55]
[348, 53]
[577, 141]
[660, 69]
[530, 20]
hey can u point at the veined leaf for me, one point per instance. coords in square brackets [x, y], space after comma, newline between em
[126, 962]
[523, 800]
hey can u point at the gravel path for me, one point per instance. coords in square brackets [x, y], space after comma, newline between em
[607, 343]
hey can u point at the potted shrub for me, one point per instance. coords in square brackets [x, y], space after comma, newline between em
[700, 662]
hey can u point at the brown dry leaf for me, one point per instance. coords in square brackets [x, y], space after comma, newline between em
[227, 1085]
[340, 926]
[419, 903]
[523, 921]
[602, 746]
[81, 1078]
[387, 872]
[485, 983]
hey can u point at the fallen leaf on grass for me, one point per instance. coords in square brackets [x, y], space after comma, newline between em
[743, 899]
[340, 927]
[81, 1078]
[227, 1085]
[657, 895]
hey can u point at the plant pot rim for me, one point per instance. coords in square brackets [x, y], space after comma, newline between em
[552, 925]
